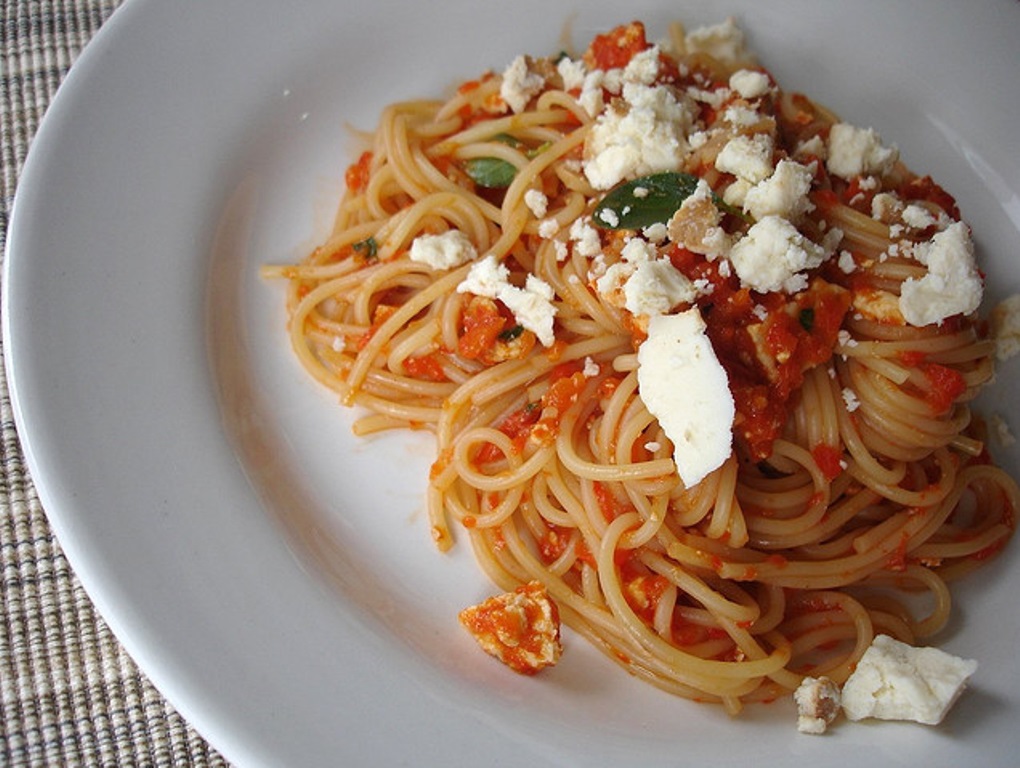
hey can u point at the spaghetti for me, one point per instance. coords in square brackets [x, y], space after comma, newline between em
[478, 283]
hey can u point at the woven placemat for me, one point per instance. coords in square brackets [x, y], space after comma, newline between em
[69, 694]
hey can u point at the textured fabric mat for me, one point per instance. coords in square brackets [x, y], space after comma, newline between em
[69, 694]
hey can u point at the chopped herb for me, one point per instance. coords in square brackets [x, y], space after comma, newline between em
[508, 139]
[649, 200]
[511, 333]
[807, 319]
[536, 151]
[490, 172]
[368, 248]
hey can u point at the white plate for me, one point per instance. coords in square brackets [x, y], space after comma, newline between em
[272, 575]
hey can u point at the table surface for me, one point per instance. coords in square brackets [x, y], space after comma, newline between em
[69, 693]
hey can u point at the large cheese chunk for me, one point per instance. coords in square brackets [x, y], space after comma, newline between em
[683, 385]
[896, 681]
[953, 284]
[773, 256]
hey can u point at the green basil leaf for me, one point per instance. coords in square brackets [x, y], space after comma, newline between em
[490, 172]
[649, 200]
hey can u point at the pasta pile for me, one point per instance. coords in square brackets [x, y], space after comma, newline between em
[501, 257]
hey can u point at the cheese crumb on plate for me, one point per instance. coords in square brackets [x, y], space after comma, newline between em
[520, 628]
[896, 681]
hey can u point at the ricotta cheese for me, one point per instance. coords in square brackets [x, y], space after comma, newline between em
[857, 151]
[644, 133]
[747, 157]
[896, 681]
[585, 237]
[644, 284]
[520, 84]
[531, 305]
[784, 193]
[953, 284]
[773, 255]
[723, 41]
[444, 251]
[573, 73]
[537, 202]
[750, 83]
[683, 384]
[1005, 323]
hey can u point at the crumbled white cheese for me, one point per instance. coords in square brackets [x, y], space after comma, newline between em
[750, 83]
[896, 681]
[886, 207]
[643, 67]
[643, 283]
[537, 202]
[847, 263]
[740, 116]
[918, 217]
[773, 255]
[573, 73]
[591, 97]
[747, 157]
[655, 233]
[723, 41]
[818, 701]
[850, 400]
[714, 97]
[520, 83]
[444, 251]
[683, 384]
[548, 228]
[591, 368]
[585, 237]
[656, 287]
[531, 305]
[813, 147]
[736, 193]
[857, 151]
[1005, 323]
[644, 134]
[953, 284]
[637, 251]
[784, 193]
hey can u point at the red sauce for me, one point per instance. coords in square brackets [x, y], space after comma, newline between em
[945, 386]
[483, 323]
[425, 367]
[828, 458]
[925, 189]
[766, 343]
[617, 47]
[358, 173]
